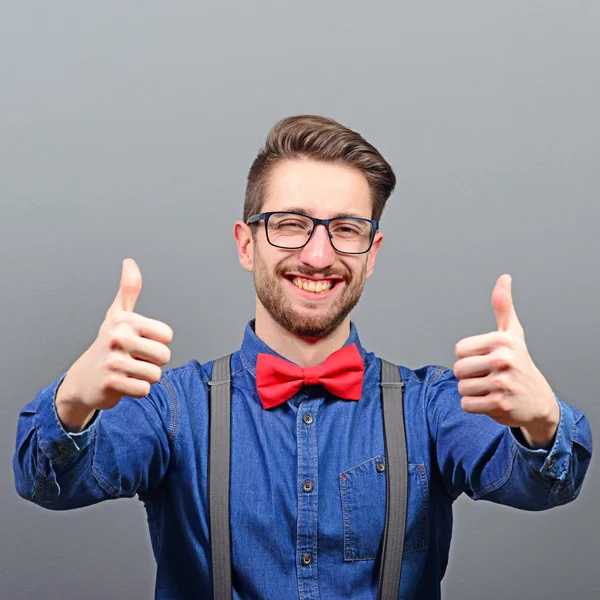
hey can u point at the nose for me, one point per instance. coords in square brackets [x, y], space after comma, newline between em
[318, 253]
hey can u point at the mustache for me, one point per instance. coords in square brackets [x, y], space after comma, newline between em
[310, 272]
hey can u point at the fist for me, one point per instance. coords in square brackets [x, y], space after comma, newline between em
[498, 378]
[126, 357]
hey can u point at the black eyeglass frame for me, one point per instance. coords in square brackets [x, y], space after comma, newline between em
[325, 222]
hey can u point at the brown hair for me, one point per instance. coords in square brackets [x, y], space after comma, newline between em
[321, 139]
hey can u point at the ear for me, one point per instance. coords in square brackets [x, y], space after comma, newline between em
[373, 253]
[245, 244]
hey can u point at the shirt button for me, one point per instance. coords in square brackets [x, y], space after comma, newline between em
[380, 467]
[551, 464]
[306, 560]
[62, 450]
[307, 486]
[307, 418]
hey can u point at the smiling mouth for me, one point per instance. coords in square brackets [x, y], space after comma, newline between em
[320, 286]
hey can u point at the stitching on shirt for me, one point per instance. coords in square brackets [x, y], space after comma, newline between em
[435, 377]
[173, 408]
[500, 480]
[150, 509]
[103, 482]
[437, 374]
[314, 507]
[423, 487]
[37, 467]
[37, 474]
[348, 536]
[247, 364]
[299, 532]
[362, 464]
[237, 372]
[346, 518]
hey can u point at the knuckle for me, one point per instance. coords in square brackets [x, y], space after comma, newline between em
[501, 361]
[504, 339]
[118, 318]
[118, 340]
[110, 383]
[115, 362]
[500, 404]
[155, 374]
[499, 382]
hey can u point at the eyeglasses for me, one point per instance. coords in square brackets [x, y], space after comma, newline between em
[292, 231]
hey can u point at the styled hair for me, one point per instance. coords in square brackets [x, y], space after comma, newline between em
[321, 139]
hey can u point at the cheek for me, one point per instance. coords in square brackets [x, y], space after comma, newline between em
[359, 267]
[268, 262]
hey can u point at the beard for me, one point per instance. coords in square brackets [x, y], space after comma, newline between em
[270, 292]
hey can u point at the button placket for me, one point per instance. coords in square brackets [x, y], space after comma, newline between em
[306, 548]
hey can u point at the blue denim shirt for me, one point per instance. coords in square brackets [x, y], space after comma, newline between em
[157, 448]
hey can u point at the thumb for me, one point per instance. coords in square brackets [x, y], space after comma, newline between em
[129, 288]
[502, 303]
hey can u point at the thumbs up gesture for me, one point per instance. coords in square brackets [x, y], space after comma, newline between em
[124, 360]
[498, 378]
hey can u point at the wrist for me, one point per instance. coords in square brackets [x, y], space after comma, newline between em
[73, 414]
[540, 434]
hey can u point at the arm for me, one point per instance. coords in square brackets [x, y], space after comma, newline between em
[122, 451]
[101, 431]
[487, 460]
[500, 431]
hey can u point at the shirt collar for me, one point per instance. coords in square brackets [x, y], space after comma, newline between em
[252, 346]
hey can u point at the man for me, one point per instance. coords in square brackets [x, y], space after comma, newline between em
[308, 482]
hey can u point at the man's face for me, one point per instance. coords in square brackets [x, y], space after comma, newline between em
[282, 278]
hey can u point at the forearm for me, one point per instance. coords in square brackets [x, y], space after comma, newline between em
[123, 451]
[51, 468]
[540, 478]
[72, 413]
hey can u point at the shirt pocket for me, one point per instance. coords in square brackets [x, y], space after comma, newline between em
[363, 491]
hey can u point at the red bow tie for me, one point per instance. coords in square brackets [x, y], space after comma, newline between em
[341, 373]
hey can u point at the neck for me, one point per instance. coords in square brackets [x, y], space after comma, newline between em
[305, 352]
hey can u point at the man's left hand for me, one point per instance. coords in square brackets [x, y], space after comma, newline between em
[498, 378]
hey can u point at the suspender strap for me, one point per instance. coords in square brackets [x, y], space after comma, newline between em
[219, 468]
[218, 477]
[397, 482]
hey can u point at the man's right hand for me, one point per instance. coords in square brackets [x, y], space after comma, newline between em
[124, 360]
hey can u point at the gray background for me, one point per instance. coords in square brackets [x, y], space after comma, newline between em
[127, 129]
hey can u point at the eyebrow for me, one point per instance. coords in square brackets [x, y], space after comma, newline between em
[303, 211]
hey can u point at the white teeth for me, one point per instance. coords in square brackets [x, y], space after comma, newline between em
[320, 287]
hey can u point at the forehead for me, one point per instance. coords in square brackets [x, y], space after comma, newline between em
[319, 189]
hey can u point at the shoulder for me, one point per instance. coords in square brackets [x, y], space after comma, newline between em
[188, 379]
[425, 377]
[194, 374]
[433, 386]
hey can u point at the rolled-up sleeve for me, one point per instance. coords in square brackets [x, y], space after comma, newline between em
[486, 460]
[122, 451]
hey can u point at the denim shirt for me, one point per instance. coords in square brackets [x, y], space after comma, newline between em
[157, 448]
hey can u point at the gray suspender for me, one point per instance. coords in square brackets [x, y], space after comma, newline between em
[218, 477]
[396, 488]
[397, 478]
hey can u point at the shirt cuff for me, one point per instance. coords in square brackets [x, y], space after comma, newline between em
[54, 441]
[555, 462]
